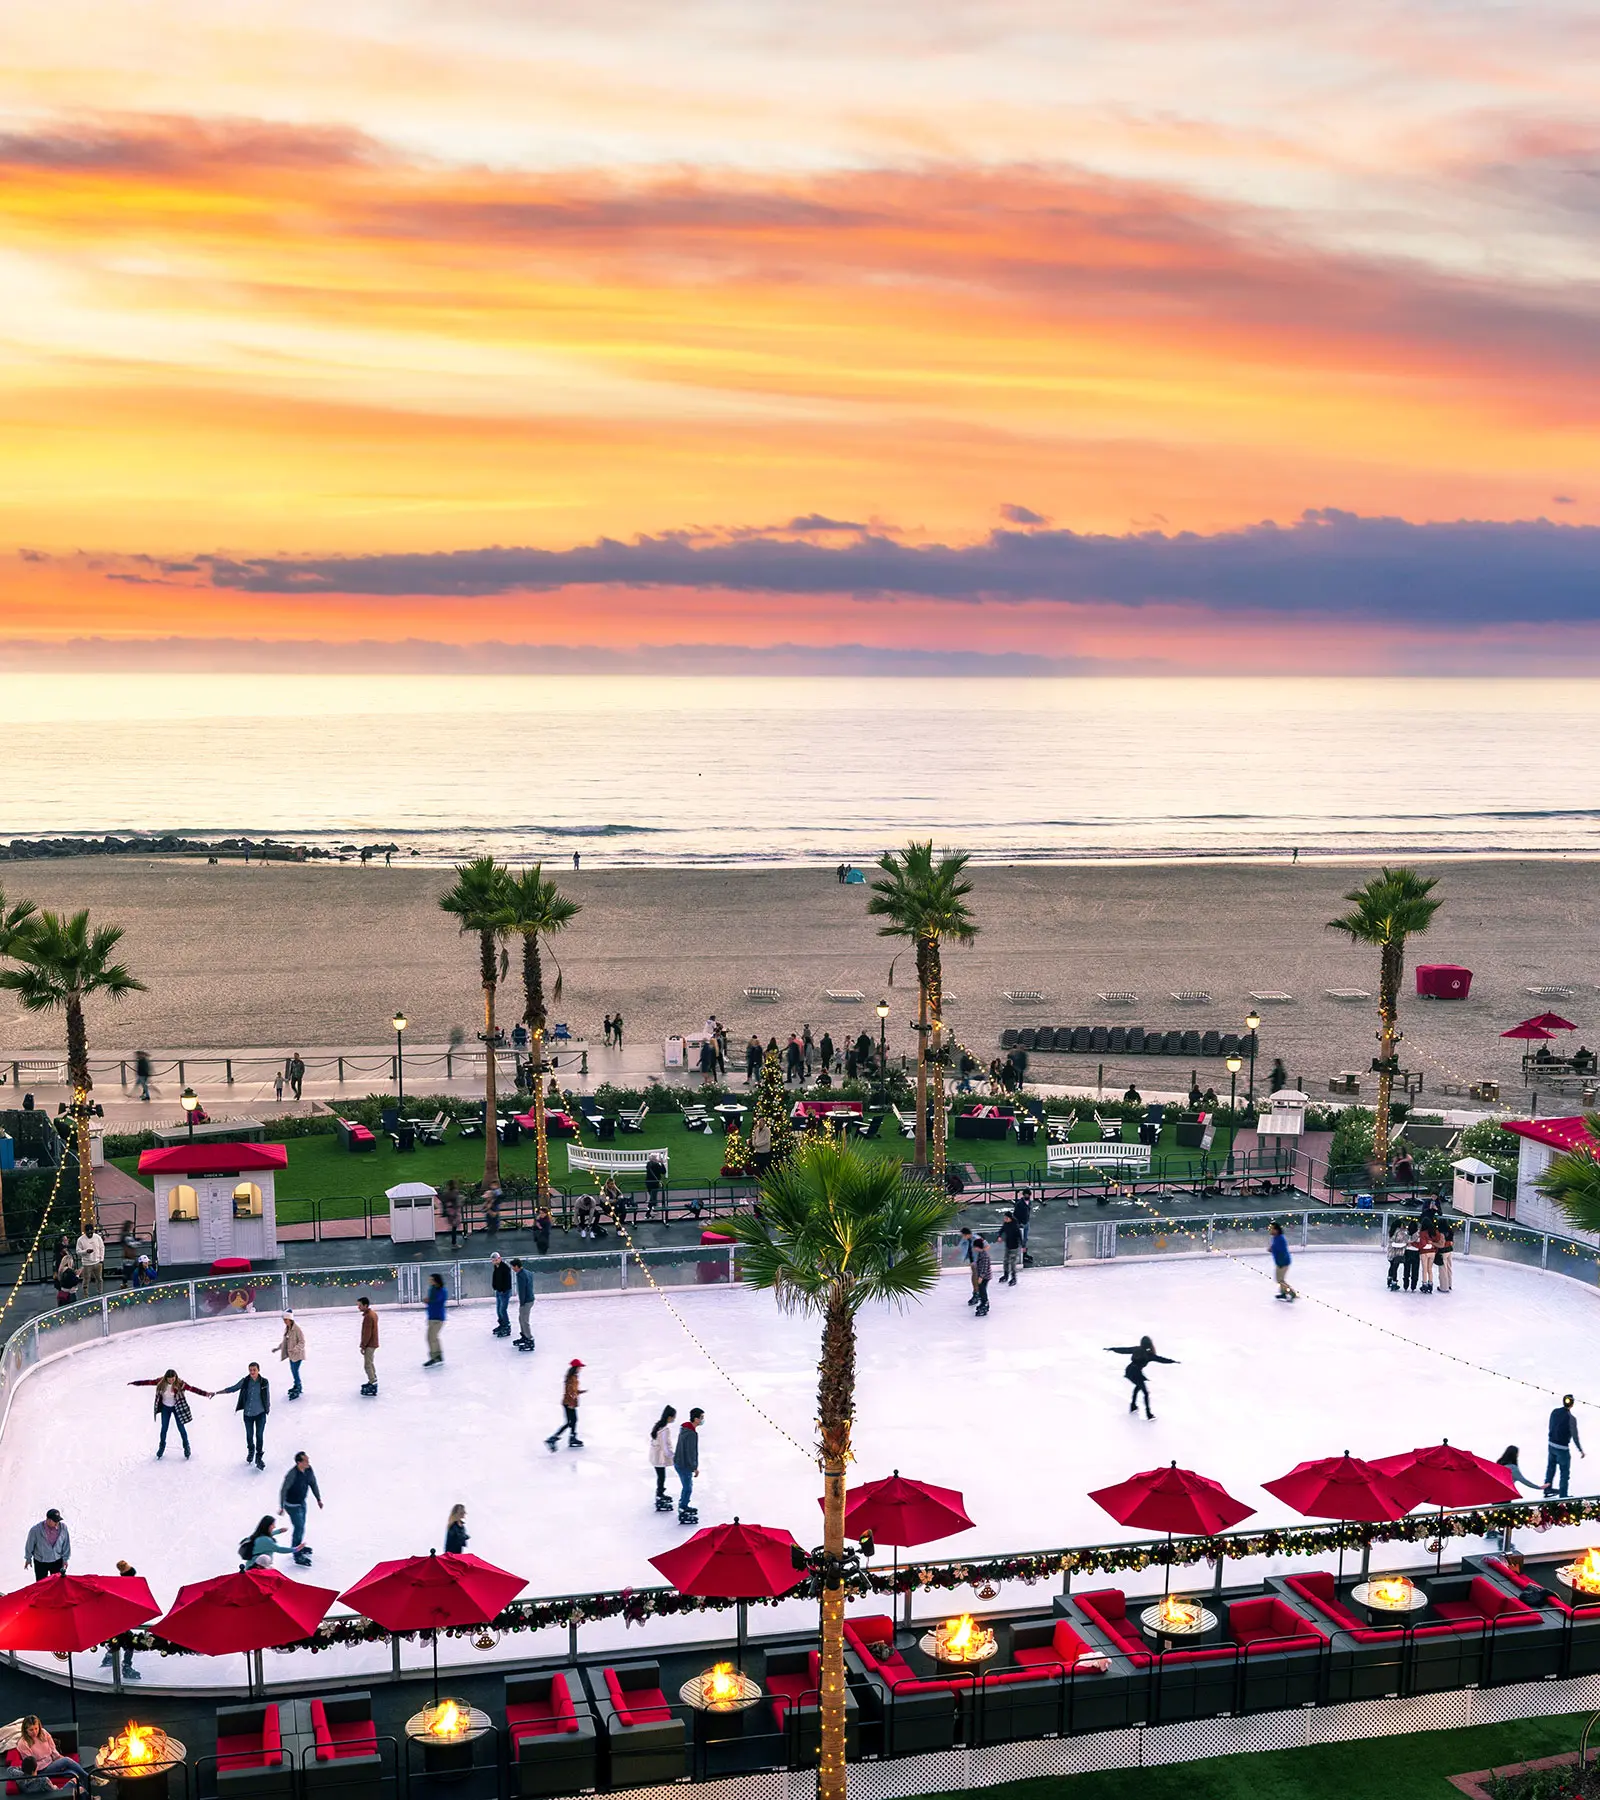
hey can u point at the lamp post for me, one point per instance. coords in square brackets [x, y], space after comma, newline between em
[883, 1042]
[1252, 1024]
[1235, 1064]
[400, 1023]
[191, 1102]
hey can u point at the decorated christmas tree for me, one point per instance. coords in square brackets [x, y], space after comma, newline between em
[772, 1111]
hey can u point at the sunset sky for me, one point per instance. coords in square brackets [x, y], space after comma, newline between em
[1233, 334]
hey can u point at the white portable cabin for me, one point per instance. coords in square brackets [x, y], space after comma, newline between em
[1540, 1142]
[215, 1200]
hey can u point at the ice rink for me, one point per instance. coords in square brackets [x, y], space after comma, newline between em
[1024, 1411]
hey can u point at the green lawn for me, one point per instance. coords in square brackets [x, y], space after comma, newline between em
[1393, 1768]
[319, 1170]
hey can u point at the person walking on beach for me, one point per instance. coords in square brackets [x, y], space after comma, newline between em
[172, 1405]
[437, 1299]
[793, 1068]
[569, 1405]
[254, 1402]
[524, 1282]
[1011, 1245]
[577, 859]
[48, 1547]
[981, 1269]
[455, 1531]
[300, 1482]
[292, 1350]
[368, 1346]
[296, 1071]
[607, 1031]
[1140, 1356]
[663, 1440]
[141, 1073]
[686, 1460]
[1278, 1249]
[91, 1249]
[1564, 1440]
[500, 1284]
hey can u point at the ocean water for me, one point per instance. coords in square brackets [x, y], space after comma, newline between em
[637, 770]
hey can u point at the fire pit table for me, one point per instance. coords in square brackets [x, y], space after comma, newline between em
[959, 1643]
[719, 1700]
[447, 1732]
[137, 1763]
[1579, 1580]
[1390, 1600]
[1177, 1624]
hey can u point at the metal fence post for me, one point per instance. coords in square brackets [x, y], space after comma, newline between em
[1305, 1230]
[105, 1317]
[1466, 1237]
[622, 1268]
[228, 1066]
[1544, 1249]
[283, 1287]
[192, 1307]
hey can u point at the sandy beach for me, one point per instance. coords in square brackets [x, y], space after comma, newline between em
[306, 956]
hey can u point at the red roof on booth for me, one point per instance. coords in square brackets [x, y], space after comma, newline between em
[212, 1159]
[1560, 1134]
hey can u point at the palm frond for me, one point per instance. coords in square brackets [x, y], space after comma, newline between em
[61, 961]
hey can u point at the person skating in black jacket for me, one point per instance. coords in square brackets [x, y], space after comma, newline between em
[1140, 1356]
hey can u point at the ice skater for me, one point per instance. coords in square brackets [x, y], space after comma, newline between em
[455, 1531]
[48, 1549]
[569, 1405]
[300, 1481]
[255, 1402]
[368, 1347]
[524, 1283]
[1011, 1243]
[662, 1442]
[258, 1549]
[1564, 1440]
[172, 1406]
[1278, 1249]
[292, 1350]
[438, 1298]
[981, 1269]
[1140, 1356]
[500, 1287]
[686, 1460]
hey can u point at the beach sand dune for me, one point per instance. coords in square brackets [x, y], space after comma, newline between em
[306, 955]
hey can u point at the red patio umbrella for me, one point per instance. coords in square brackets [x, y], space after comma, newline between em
[1445, 1476]
[1173, 1500]
[1534, 1033]
[255, 1609]
[736, 1562]
[1553, 1022]
[66, 1613]
[429, 1593]
[902, 1513]
[1344, 1487]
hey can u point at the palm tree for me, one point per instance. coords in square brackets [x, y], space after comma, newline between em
[1572, 1180]
[61, 962]
[1392, 907]
[14, 923]
[538, 910]
[925, 900]
[480, 902]
[837, 1232]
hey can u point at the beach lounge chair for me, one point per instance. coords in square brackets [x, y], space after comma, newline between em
[354, 1136]
[1110, 1130]
[633, 1120]
[869, 1128]
[768, 996]
[907, 1128]
[430, 1131]
[696, 1118]
[470, 1127]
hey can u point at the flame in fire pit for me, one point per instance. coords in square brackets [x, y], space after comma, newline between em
[1180, 1615]
[720, 1685]
[1584, 1573]
[1392, 1591]
[963, 1640]
[136, 1748]
[958, 1634]
[447, 1721]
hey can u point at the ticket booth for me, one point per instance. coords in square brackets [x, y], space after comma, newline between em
[1443, 981]
[215, 1200]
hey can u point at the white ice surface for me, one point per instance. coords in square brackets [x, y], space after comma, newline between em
[1023, 1411]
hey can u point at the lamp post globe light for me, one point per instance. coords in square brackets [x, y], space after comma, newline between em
[1252, 1024]
[1235, 1064]
[191, 1101]
[400, 1023]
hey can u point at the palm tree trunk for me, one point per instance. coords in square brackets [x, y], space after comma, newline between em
[835, 1405]
[78, 1073]
[936, 1012]
[1393, 962]
[921, 1140]
[491, 1117]
[533, 989]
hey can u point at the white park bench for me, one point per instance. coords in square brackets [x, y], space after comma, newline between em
[46, 1072]
[767, 995]
[583, 1161]
[1096, 1156]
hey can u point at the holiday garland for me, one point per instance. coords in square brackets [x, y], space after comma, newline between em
[637, 1606]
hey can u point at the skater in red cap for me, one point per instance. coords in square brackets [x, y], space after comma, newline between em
[569, 1403]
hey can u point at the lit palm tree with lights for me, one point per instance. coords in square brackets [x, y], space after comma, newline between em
[60, 963]
[538, 911]
[480, 903]
[837, 1232]
[1572, 1180]
[924, 898]
[1386, 912]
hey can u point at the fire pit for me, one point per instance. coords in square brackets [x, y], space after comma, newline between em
[959, 1643]
[446, 1732]
[1174, 1620]
[1581, 1577]
[139, 1760]
[721, 1689]
[1390, 1599]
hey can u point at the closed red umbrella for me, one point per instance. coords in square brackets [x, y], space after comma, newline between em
[432, 1592]
[733, 1562]
[1344, 1487]
[1173, 1500]
[66, 1613]
[1445, 1476]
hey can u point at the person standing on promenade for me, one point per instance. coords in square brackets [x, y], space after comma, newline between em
[655, 1172]
[368, 1346]
[662, 1442]
[608, 1031]
[48, 1547]
[92, 1260]
[255, 1402]
[541, 1229]
[616, 1029]
[825, 1052]
[1140, 1356]
[524, 1281]
[437, 1299]
[296, 1071]
[455, 1531]
[981, 1269]
[1564, 1440]
[752, 1058]
[172, 1405]
[686, 1460]
[500, 1285]
[1278, 1250]
[450, 1205]
[292, 1491]
[292, 1350]
[808, 1046]
[141, 1073]
[1011, 1243]
[569, 1405]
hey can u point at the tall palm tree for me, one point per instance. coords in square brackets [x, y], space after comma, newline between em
[60, 963]
[1394, 906]
[480, 902]
[925, 899]
[837, 1232]
[538, 910]
[1572, 1180]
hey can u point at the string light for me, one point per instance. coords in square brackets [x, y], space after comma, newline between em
[44, 1220]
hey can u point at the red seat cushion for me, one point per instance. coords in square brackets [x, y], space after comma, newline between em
[1063, 1650]
[252, 1750]
[543, 1718]
[637, 1706]
[346, 1737]
[792, 1690]
[1264, 1617]
[1108, 1608]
